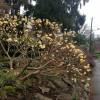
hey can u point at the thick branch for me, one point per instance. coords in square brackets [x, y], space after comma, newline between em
[28, 75]
[5, 50]
[35, 72]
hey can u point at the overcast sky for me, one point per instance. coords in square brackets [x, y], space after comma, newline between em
[92, 9]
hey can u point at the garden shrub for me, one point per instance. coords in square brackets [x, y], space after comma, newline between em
[52, 54]
[97, 54]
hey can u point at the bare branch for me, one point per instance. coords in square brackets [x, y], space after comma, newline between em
[5, 50]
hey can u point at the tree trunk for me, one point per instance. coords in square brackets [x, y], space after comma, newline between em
[11, 64]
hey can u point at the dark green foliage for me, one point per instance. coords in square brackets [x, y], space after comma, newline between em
[9, 89]
[62, 11]
[7, 78]
[97, 54]
[65, 12]
[81, 39]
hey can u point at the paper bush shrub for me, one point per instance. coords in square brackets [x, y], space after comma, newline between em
[47, 49]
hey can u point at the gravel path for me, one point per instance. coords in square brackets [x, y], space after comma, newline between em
[96, 81]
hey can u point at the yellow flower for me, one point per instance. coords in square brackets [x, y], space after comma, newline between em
[88, 70]
[23, 19]
[42, 46]
[67, 46]
[82, 60]
[50, 34]
[88, 79]
[9, 40]
[5, 22]
[49, 38]
[72, 46]
[1, 22]
[52, 55]
[26, 30]
[39, 42]
[15, 40]
[62, 48]
[46, 37]
[81, 57]
[82, 80]
[87, 67]
[84, 73]
[15, 17]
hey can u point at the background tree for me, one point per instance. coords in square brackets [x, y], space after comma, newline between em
[4, 8]
[15, 5]
[65, 12]
[62, 11]
[81, 39]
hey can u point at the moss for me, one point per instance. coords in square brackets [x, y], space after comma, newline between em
[9, 89]
[7, 78]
